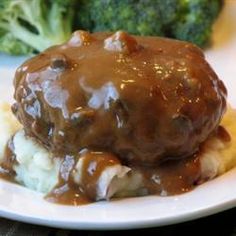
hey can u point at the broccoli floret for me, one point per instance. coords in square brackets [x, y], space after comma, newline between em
[196, 19]
[189, 20]
[34, 25]
[135, 16]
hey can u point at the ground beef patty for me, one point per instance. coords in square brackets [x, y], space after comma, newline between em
[145, 99]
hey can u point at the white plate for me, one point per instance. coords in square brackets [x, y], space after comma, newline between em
[21, 204]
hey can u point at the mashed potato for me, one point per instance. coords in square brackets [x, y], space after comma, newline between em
[37, 170]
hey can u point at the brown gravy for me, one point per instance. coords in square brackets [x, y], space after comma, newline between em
[66, 191]
[172, 177]
[9, 159]
[69, 193]
[169, 178]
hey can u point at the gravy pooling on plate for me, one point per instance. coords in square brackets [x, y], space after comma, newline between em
[146, 102]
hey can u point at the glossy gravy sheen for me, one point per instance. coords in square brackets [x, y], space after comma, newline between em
[69, 193]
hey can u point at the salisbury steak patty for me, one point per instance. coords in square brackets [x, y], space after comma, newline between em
[144, 99]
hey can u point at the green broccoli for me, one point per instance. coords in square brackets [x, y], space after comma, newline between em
[27, 26]
[189, 20]
[195, 20]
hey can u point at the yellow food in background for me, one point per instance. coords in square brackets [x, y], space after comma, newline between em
[228, 154]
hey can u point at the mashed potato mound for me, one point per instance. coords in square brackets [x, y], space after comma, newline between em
[37, 170]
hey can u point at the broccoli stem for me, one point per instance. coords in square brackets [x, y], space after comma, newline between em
[36, 41]
[38, 24]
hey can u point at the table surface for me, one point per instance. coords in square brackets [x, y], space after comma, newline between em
[220, 224]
